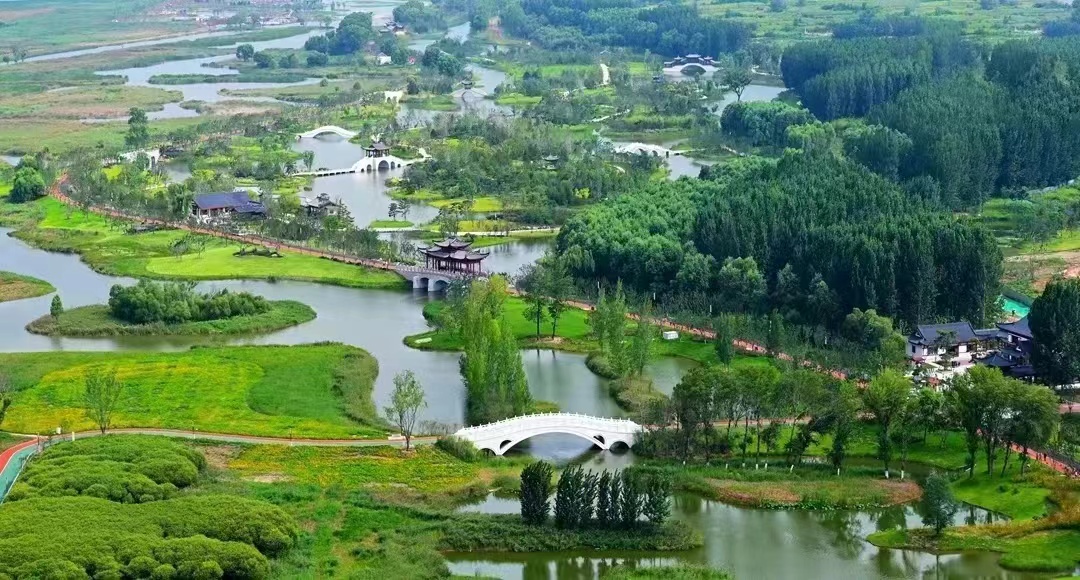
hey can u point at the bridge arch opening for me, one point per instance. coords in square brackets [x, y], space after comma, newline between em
[438, 285]
[384, 165]
[619, 447]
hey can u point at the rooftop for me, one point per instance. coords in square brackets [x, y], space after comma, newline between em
[238, 201]
[1019, 328]
[929, 334]
[378, 146]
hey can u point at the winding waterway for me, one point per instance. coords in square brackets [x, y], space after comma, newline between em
[749, 543]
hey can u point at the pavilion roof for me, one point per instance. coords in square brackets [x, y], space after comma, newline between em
[455, 255]
[452, 244]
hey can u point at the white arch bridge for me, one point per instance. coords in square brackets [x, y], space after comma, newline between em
[345, 133]
[500, 436]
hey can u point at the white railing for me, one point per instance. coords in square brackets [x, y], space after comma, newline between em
[586, 419]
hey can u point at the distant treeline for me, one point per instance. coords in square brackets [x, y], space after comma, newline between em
[571, 24]
[979, 120]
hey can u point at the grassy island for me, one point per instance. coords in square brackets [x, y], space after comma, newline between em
[318, 391]
[16, 287]
[109, 247]
[96, 320]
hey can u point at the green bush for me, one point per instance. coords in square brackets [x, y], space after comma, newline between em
[177, 302]
[128, 469]
[235, 534]
[458, 447]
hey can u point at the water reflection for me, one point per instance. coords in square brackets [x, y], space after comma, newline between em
[751, 543]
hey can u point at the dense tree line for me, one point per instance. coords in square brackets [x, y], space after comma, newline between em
[419, 16]
[844, 78]
[992, 411]
[175, 303]
[810, 234]
[495, 385]
[973, 130]
[584, 500]
[572, 25]
[352, 35]
[762, 123]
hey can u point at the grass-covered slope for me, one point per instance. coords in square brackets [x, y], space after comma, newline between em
[320, 391]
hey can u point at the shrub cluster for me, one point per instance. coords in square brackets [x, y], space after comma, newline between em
[208, 536]
[142, 532]
[136, 469]
[175, 302]
[458, 447]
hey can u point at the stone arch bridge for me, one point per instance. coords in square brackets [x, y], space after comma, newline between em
[500, 436]
[325, 129]
[431, 279]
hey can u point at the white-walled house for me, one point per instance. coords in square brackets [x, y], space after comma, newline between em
[956, 341]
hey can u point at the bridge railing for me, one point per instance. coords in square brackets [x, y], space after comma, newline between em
[625, 423]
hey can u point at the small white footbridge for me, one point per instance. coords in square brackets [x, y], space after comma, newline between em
[365, 165]
[500, 436]
[326, 130]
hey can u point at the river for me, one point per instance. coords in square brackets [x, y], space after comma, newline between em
[799, 543]
[750, 543]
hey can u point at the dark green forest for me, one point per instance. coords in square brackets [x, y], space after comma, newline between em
[823, 236]
[981, 120]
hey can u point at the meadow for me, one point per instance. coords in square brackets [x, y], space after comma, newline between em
[96, 320]
[320, 391]
[16, 287]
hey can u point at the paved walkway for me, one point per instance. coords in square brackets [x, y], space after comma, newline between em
[256, 439]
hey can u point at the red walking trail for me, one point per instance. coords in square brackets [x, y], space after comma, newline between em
[744, 345]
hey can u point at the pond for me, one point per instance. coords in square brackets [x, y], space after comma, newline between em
[749, 543]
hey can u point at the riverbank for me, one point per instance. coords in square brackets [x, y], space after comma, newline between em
[318, 391]
[17, 287]
[96, 320]
[109, 247]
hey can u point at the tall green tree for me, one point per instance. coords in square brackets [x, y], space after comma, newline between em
[641, 344]
[495, 384]
[692, 403]
[102, 393]
[843, 415]
[723, 341]
[1055, 328]
[530, 282]
[405, 403]
[138, 133]
[938, 504]
[535, 491]
[27, 185]
[886, 398]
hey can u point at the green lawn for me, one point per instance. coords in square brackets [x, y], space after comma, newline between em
[114, 251]
[517, 100]
[305, 391]
[479, 204]
[391, 224]
[16, 287]
[573, 334]
[96, 320]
